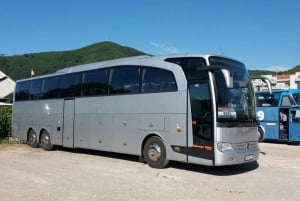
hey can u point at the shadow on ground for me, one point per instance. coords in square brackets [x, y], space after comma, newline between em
[218, 171]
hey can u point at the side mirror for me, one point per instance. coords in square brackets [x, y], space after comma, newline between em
[265, 80]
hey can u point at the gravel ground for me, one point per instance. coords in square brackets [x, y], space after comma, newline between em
[28, 174]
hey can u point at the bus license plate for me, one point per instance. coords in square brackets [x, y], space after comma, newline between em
[248, 157]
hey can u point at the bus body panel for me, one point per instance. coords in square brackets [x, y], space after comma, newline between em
[201, 161]
[125, 133]
[269, 119]
[107, 123]
[245, 145]
[100, 128]
[271, 130]
[40, 115]
[268, 114]
[294, 135]
[237, 134]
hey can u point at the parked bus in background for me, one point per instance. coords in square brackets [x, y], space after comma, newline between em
[191, 108]
[278, 115]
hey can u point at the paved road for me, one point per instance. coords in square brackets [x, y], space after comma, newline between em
[28, 174]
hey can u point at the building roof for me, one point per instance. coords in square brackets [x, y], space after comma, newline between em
[7, 86]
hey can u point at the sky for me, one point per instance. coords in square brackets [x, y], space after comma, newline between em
[264, 34]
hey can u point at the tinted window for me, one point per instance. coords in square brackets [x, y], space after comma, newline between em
[266, 99]
[181, 61]
[158, 80]
[201, 111]
[35, 89]
[95, 83]
[194, 68]
[22, 91]
[50, 88]
[70, 85]
[124, 80]
[190, 65]
[238, 69]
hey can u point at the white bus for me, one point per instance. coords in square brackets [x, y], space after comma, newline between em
[191, 108]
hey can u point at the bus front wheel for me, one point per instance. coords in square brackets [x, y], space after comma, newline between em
[46, 141]
[154, 153]
[32, 139]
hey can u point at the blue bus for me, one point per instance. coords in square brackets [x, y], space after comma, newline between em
[278, 115]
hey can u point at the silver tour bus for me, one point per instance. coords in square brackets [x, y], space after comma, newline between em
[191, 108]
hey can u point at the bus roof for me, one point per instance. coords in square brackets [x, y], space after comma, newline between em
[135, 60]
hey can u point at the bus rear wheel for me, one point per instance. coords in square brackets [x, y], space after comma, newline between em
[32, 139]
[46, 141]
[154, 153]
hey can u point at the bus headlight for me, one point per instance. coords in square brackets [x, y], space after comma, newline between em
[224, 146]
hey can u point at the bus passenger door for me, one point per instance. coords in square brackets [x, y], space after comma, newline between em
[294, 125]
[202, 120]
[68, 127]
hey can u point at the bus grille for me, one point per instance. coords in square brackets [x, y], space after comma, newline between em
[245, 146]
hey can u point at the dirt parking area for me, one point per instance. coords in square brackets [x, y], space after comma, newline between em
[28, 174]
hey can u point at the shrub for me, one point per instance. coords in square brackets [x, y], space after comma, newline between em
[5, 121]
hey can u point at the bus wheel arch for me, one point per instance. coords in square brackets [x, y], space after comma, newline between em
[32, 138]
[154, 152]
[45, 140]
[260, 134]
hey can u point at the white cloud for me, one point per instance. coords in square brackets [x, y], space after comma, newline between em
[164, 48]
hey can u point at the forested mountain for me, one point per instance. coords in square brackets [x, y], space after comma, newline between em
[265, 72]
[19, 66]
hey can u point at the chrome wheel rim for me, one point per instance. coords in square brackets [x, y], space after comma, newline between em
[32, 138]
[45, 140]
[154, 152]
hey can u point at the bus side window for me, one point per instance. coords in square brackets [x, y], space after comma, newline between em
[50, 88]
[35, 89]
[95, 83]
[157, 80]
[69, 85]
[22, 91]
[125, 80]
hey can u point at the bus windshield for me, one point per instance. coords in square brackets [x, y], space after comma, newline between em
[237, 103]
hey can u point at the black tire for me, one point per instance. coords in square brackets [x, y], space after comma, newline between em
[32, 139]
[154, 153]
[260, 134]
[46, 141]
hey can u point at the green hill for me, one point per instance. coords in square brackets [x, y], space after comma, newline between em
[293, 70]
[19, 66]
[265, 72]
[261, 72]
